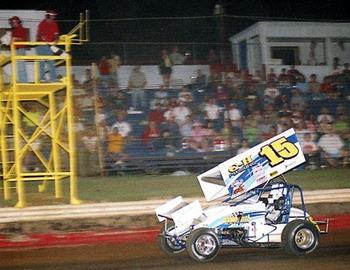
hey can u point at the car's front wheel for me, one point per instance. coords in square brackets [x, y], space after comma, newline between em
[300, 237]
[203, 245]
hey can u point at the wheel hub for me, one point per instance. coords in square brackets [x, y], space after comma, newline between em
[205, 245]
[304, 238]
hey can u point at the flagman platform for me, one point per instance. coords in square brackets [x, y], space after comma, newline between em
[36, 120]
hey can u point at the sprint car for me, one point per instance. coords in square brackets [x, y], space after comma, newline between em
[258, 209]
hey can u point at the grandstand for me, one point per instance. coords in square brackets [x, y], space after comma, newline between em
[311, 107]
[226, 106]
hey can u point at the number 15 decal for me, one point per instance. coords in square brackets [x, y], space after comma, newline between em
[278, 151]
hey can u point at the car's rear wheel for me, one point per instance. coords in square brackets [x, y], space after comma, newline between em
[300, 237]
[169, 244]
[203, 245]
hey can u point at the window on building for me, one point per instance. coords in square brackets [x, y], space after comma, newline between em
[289, 55]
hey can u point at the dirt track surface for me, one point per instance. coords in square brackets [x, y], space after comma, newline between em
[333, 253]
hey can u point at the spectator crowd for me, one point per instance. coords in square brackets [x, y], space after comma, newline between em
[226, 111]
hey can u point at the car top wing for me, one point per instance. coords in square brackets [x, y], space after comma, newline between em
[252, 168]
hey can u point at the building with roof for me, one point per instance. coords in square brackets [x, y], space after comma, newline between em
[311, 46]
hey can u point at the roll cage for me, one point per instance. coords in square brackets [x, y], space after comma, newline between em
[283, 204]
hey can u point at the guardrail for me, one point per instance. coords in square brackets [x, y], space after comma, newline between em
[59, 212]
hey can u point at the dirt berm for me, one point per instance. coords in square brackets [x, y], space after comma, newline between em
[127, 222]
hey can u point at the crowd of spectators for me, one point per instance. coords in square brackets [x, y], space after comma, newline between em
[226, 110]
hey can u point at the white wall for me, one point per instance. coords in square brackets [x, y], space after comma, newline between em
[343, 55]
[304, 29]
[254, 54]
[180, 72]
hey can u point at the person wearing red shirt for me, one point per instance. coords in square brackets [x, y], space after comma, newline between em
[104, 68]
[151, 136]
[48, 31]
[156, 115]
[18, 33]
[271, 76]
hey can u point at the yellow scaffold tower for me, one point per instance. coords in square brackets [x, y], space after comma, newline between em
[36, 120]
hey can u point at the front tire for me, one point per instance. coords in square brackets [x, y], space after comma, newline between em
[168, 244]
[203, 245]
[300, 237]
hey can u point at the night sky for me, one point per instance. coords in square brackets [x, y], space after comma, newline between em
[307, 9]
[106, 26]
[196, 30]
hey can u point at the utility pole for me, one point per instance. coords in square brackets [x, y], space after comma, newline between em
[219, 12]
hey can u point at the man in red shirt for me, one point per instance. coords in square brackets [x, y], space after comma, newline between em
[104, 67]
[156, 115]
[151, 136]
[18, 33]
[48, 31]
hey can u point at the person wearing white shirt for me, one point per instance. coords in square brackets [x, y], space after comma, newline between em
[124, 127]
[324, 116]
[244, 147]
[169, 113]
[180, 113]
[234, 115]
[271, 92]
[137, 83]
[330, 145]
[212, 110]
[176, 57]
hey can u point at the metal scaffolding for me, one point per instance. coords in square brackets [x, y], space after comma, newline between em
[36, 121]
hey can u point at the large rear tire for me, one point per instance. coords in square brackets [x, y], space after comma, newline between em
[203, 245]
[300, 237]
[168, 244]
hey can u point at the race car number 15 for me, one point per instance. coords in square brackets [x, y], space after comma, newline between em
[278, 151]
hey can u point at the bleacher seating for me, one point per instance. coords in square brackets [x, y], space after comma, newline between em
[155, 162]
[141, 158]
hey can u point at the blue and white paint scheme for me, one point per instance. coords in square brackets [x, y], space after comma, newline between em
[253, 167]
[255, 210]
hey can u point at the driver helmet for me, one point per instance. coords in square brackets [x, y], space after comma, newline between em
[275, 194]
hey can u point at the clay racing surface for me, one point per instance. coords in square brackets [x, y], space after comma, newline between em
[333, 253]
